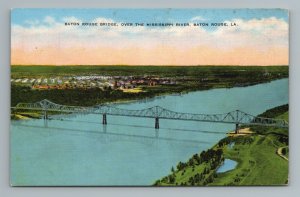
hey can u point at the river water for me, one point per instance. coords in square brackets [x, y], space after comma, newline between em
[79, 150]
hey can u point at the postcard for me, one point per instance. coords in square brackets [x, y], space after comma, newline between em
[149, 97]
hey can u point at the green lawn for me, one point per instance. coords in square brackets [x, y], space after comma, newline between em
[284, 116]
[258, 164]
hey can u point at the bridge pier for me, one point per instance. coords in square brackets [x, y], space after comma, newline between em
[236, 128]
[45, 118]
[104, 120]
[156, 123]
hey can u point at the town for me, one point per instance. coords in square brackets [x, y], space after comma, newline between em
[132, 84]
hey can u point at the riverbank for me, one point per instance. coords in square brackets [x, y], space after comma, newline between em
[186, 79]
[255, 150]
[25, 115]
[24, 94]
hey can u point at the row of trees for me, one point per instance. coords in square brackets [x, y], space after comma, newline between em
[80, 97]
[90, 97]
[237, 140]
[211, 159]
[211, 155]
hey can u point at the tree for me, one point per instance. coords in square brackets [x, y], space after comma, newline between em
[191, 162]
[171, 179]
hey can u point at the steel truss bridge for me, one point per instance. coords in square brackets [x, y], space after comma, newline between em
[234, 117]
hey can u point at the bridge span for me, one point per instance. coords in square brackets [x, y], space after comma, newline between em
[236, 117]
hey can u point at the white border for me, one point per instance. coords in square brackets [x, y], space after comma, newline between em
[292, 190]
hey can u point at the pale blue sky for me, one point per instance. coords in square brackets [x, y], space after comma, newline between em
[20, 16]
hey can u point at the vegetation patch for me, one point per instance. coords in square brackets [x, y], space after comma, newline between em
[256, 153]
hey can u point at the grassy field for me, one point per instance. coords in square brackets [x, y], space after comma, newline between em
[257, 155]
[258, 163]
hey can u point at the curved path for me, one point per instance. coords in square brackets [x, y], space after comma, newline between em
[279, 152]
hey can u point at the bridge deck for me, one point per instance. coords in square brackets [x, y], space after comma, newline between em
[233, 117]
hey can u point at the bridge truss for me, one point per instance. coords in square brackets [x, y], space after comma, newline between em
[236, 117]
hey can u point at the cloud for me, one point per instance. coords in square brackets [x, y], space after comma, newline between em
[49, 20]
[261, 34]
[103, 20]
[32, 22]
[258, 36]
[198, 18]
[71, 19]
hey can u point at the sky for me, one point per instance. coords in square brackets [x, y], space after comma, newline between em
[40, 37]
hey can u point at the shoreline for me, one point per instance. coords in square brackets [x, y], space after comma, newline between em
[132, 100]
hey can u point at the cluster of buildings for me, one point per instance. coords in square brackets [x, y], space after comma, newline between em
[89, 82]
